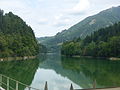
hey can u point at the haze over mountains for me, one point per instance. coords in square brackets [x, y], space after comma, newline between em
[86, 27]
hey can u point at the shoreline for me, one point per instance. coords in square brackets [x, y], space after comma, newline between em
[114, 58]
[17, 58]
[109, 58]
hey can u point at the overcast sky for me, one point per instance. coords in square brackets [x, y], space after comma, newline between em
[47, 17]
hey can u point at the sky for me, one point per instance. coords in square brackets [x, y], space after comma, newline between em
[48, 17]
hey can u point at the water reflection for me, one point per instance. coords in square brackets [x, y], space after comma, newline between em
[22, 71]
[105, 72]
[83, 71]
[60, 72]
[50, 70]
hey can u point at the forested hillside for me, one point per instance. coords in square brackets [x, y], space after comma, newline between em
[16, 37]
[86, 27]
[102, 43]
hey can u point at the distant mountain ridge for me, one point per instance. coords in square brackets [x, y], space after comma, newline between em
[86, 27]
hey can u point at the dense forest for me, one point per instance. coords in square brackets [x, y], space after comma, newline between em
[16, 37]
[102, 43]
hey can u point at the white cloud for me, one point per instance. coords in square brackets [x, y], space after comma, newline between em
[61, 20]
[61, 23]
[43, 21]
[80, 7]
[58, 16]
[12, 4]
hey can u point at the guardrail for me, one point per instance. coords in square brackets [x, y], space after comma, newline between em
[5, 82]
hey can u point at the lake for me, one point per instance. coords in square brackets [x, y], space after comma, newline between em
[61, 71]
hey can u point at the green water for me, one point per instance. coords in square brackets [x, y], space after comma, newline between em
[60, 72]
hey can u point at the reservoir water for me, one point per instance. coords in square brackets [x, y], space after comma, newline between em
[61, 71]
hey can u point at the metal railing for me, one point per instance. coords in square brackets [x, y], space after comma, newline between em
[5, 83]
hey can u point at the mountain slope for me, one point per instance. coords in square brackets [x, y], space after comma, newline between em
[16, 37]
[86, 27]
[102, 43]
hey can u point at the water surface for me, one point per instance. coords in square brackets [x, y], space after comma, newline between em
[60, 72]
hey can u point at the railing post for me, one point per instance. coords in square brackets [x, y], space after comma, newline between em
[0, 79]
[16, 85]
[29, 88]
[94, 84]
[46, 86]
[7, 83]
[71, 87]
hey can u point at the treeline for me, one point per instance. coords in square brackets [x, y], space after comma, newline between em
[102, 43]
[42, 48]
[16, 37]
